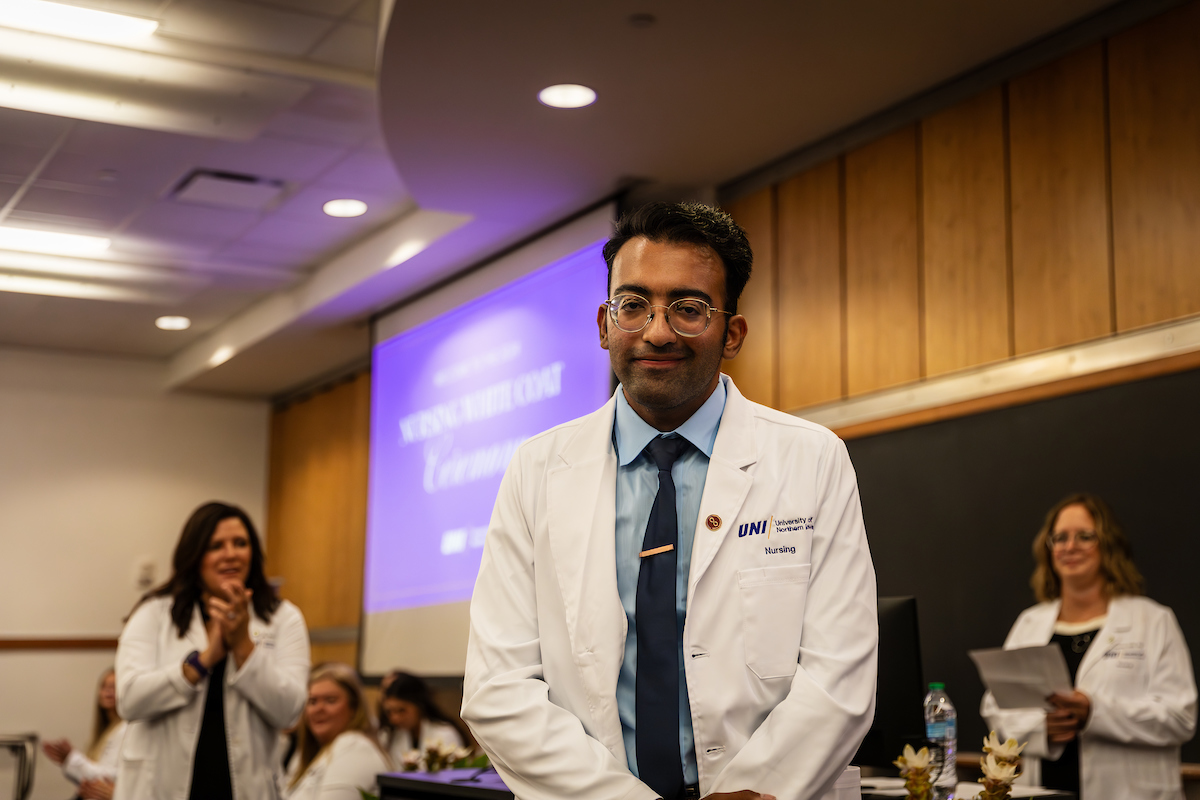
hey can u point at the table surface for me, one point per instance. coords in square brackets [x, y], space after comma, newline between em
[467, 783]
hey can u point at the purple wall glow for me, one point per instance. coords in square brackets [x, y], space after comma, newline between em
[451, 400]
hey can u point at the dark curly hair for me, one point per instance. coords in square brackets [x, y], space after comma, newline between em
[689, 223]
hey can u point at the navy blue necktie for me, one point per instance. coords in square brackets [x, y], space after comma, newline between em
[657, 684]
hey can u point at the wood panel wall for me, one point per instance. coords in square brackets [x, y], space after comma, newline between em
[1055, 209]
[317, 510]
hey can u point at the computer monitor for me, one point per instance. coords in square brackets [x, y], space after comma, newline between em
[900, 692]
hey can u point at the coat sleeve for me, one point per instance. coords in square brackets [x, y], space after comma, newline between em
[78, 768]
[274, 679]
[146, 688]
[540, 749]
[807, 740]
[1162, 715]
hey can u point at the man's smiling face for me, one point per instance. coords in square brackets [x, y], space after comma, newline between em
[665, 376]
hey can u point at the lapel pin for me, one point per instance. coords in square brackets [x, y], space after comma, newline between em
[713, 522]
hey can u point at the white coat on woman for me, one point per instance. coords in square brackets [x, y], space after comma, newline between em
[79, 768]
[432, 732]
[262, 696]
[1138, 676]
[781, 630]
[347, 764]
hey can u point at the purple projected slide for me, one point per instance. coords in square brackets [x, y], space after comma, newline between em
[451, 401]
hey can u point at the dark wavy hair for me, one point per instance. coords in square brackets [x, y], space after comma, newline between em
[1120, 574]
[184, 584]
[689, 223]
[413, 690]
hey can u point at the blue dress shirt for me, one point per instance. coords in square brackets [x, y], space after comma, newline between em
[637, 485]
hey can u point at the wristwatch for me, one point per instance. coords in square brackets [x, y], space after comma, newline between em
[193, 660]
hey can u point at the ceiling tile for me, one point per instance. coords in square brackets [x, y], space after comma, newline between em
[367, 171]
[327, 8]
[126, 160]
[198, 226]
[251, 27]
[269, 255]
[309, 234]
[341, 115]
[27, 128]
[274, 158]
[102, 211]
[367, 11]
[351, 44]
[136, 8]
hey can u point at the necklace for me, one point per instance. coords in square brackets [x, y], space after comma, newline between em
[1079, 644]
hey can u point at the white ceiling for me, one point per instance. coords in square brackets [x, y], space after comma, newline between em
[707, 92]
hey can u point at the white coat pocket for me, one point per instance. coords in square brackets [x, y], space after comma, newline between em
[773, 617]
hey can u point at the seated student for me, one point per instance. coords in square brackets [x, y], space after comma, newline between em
[414, 721]
[336, 750]
[95, 769]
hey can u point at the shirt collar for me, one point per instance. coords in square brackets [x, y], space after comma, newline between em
[632, 433]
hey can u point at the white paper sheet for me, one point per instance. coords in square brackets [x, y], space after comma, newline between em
[1024, 677]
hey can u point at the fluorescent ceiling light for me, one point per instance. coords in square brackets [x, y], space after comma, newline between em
[61, 244]
[53, 287]
[567, 95]
[345, 208]
[74, 22]
[173, 323]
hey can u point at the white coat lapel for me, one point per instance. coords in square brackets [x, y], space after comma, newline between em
[581, 515]
[1117, 623]
[727, 483]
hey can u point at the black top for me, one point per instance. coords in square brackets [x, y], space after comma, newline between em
[1064, 773]
[210, 771]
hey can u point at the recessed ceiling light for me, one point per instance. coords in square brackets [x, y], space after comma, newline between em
[61, 244]
[345, 208]
[221, 355]
[567, 95]
[74, 22]
[173, 323]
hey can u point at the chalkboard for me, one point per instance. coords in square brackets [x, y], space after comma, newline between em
[952, 507]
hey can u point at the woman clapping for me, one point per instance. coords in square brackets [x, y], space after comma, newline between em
[210, 667]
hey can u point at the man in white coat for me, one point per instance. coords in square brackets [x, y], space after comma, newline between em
[676, 597]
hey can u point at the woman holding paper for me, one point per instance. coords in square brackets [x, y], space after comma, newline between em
[1117, 734]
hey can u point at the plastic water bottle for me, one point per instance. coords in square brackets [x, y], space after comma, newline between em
[941, 728]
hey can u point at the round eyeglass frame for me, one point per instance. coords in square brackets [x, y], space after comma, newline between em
[613, 304]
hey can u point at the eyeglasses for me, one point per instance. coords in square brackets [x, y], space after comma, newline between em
[688, 317]
[1083, 539]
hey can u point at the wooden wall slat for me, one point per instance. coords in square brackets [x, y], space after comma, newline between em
[882, 280]
[755, 370]
[965, 235]
[810, 294]
[1154, 80]
[318, 505]
[1060, 257]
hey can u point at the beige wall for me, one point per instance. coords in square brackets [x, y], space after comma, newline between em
[99, 468]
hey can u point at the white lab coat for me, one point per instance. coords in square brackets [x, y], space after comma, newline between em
[1138, 676]
[350, 763]
[164, 711]
[548, 629]
[78, 768]
[432, 731]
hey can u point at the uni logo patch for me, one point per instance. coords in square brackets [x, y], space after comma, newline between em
[754, 528]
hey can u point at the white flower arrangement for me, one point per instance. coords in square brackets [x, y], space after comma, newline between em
[1001, 766]
[914, 767]
[438, 756]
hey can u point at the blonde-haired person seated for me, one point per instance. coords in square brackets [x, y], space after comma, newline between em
[336, 749]
[94, 770]
[1116, 735]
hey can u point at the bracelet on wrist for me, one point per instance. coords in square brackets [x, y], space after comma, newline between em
[193, 661]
